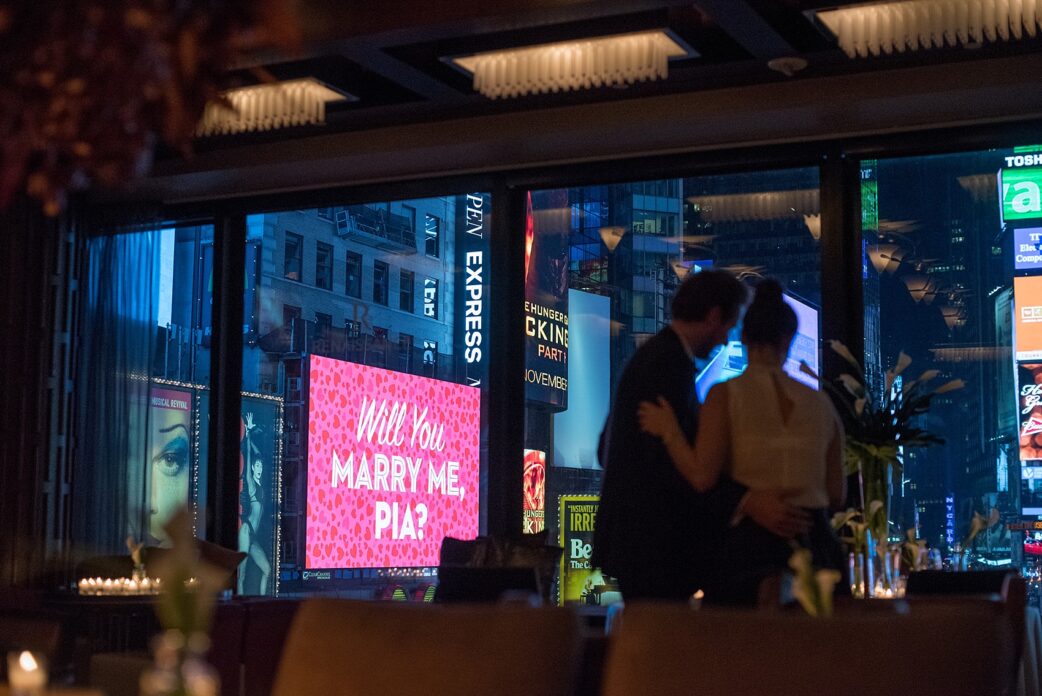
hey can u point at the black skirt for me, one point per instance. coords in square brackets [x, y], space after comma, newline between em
[749, 554]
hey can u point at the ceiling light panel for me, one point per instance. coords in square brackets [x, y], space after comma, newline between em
[888, 27]
[573, 65]
[270, 106]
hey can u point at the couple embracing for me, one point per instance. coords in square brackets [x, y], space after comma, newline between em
[714, 496]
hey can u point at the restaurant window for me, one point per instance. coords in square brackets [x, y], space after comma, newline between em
[381, 273]
[323, 319]
[142, 385]
[310, 393]
[354, 274]
[324, 266]
[405, 293]
[603, 264]
[293, 260]
[952, 273]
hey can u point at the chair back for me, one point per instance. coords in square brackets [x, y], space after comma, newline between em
[941, 591]
[671, 650]
[345, 648]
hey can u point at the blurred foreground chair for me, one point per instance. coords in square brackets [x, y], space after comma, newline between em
[40, 634]
[940, 591]
[349, 648]
[671, 650]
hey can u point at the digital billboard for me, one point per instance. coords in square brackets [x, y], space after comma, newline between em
[1027, 248]
[578, 580]
[730, 360]
[393, 466]
[577, 428]
[1027, 318]
[534, 488]
[547, 229]
[1020, 193]
[169, 456]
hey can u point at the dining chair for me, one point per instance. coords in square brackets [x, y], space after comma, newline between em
[670, 650]
[347, 648]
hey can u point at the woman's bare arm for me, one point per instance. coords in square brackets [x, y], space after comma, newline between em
[700, 465]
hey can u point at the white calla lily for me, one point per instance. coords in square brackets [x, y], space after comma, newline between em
[950, 386]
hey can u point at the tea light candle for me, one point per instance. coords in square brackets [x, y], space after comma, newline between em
[26, 673]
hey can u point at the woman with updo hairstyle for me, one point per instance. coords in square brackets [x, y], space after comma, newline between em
[767, 431]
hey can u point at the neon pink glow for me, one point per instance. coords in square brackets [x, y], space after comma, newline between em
[393, 466]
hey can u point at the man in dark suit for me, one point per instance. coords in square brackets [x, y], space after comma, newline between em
[654, 532]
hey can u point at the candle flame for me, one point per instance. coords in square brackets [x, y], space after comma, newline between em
[27, 662]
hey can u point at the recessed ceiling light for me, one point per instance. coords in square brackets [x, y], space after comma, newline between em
[886, 27]
[268, 106]
[572, 65]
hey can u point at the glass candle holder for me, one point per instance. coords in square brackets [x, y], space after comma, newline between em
[26, 673]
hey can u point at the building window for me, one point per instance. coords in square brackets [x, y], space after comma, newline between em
[410, 214]
[323, 319]
[289, 313]
[432, 236]
[326, 214]
[354, 274]
[430, 353]
[405, 343]
[381, 272]
[324, 266]
[294, 257]
[406, 291]
[430, 298]
[354, 328]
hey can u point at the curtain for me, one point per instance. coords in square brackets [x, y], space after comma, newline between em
[117, 343]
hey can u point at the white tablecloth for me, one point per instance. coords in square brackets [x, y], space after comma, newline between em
[1030, 682]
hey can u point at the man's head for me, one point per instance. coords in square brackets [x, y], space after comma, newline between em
[706, 307]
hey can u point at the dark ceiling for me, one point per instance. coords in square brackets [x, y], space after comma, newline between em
[391, 55]
[416, 119]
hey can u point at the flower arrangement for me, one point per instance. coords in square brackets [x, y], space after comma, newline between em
[189, 584]
[878, 426]
[812, 588]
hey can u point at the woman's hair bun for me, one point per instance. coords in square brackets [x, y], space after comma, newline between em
[769, 319]
[769, 290]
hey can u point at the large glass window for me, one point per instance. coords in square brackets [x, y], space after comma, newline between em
[950, 278]
[365, 448]
[602, 264]
[142, 385]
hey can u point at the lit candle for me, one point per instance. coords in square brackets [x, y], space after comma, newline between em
[26, 673]
[146, 585]
[84, 585]
[107, 585]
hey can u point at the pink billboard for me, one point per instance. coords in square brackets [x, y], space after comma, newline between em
[393, 466]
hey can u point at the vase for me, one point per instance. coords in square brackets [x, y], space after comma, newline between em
[179, 667]
[861, 564]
